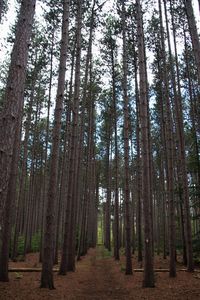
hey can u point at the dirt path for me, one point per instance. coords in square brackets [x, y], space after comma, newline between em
[94, 278]
[99, 277]
[101, 282]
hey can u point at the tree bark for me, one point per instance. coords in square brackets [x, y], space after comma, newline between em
[116, 206]
[12, 110]
[126, 149]
[49, 235]
[148, 280]
[181, 148]
[169, 151]
[194, 34]
[68, 258]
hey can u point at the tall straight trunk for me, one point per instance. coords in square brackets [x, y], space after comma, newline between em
[169, 151]
[45, 171]
[108, 182]
[63, 175]
[126, 149]
[60, 187]
[133, 199]
[12, 110]
[138, 167]
[148, 280]
[194, 34]
[183, 231]
[163, 166]
[116, 205]
[73, 166]
[30, 196]
[138, 172]
[9, 208]
[86, 191]
[163, 209]
[68, 255]
[182, 157]
[49, 235]
[80, 176]
[89, 184]
[66, 204]
[181, 147]
[22, 178]
[193, 110]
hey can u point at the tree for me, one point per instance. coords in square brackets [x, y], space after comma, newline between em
[49, 234]
[126, 149]
[148, 280]
[12, 112]
[168, 142]
[68, 255]
[194, 34]
[72, 183]
[181, 147]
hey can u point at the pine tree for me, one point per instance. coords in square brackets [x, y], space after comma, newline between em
[148, 254]
[11, 114]
[49, 234]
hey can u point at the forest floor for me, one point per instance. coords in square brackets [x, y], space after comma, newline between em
[98, 276]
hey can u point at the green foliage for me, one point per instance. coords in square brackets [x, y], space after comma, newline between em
[106, 253]
[35, 245]
[20, 248]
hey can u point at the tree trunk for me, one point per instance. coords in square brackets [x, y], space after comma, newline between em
[181, 148]
[68, 258]
[194, 34]
[49, 235]
[148, 280]
[126, 149]
[138, 168]
[116, 206]
[73, 166]
[45, 171]
[13, 103]
[169, 152]
[9, 207]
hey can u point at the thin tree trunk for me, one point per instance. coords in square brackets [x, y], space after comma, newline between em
[116, 206]
[49, 236]
[138, 168]
[63, 264]
[68, 259]
[169, 153]
[181, 150]
[194, 34]
[148, 280]
[72, 190]
[126, 149]
[45, 173]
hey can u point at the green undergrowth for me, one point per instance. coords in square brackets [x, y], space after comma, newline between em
[104, 253]
[34, 246]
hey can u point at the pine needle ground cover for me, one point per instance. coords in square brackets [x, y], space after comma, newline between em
[98, 276]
